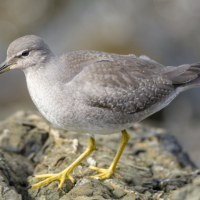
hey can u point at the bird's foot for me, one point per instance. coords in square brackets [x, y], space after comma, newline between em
[104, 173]
[65, 173]
[52, 177]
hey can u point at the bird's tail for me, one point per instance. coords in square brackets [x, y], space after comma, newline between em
[184, 76]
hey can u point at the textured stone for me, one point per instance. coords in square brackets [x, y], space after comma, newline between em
[150, 167]
[14, 170]
[92, 187]
[189, 192]
[130, 197]
[119, 193]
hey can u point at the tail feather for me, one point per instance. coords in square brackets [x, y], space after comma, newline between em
[185, 76]
[175, 71]
[195, 69]
[194, 82]
[197, 65]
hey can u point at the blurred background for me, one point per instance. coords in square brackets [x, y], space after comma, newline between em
[167, 31]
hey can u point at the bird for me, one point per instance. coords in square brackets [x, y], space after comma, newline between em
[95, 92]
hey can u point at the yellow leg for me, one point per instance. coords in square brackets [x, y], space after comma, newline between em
[107, 173]
[65, 173]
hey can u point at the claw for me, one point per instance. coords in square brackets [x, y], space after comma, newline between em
[70, 178]
[104, 173]
[61, 182]
[29, 187]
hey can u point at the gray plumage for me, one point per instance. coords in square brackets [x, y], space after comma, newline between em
[97, 92]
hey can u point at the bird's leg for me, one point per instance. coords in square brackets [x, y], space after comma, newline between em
[65, 173]
[106, 173]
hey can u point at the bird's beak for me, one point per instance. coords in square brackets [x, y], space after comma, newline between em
[5, 66]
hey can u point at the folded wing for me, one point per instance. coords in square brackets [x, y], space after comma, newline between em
[122, 88]
[129, 84]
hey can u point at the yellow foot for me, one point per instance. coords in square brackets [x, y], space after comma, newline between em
[65, 173]
[50, 178]
[104, 173]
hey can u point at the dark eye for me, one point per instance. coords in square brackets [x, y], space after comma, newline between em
[25, 53]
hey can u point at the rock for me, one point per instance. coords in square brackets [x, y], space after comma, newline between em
[90, 187]
[119, 193]
[189, 192]
[172, 145]
[14, 170]
[22, 136]
[140, 189]
[153, 165]
[130, 197]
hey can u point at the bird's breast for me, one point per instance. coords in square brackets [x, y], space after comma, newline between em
[46, 96]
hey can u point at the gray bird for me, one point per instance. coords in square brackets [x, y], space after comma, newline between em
[95, 92]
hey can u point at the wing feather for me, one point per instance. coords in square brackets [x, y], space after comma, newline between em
[122, 87]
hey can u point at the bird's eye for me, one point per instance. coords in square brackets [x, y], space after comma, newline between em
[25, 53]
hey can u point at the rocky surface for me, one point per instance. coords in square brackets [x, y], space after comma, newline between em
[153, 165]
[190, 191]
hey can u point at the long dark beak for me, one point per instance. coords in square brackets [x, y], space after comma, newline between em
[5, 67]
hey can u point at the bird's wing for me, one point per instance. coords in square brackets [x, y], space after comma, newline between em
[123, 84]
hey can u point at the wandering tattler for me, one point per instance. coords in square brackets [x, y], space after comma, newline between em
[95, 92]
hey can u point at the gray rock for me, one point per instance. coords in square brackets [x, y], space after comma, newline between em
[14, 170]
[91, 187]
[189, 192]
[151, 166]
[119, 193]
[130, 197]
[22, 135]
[140, 189]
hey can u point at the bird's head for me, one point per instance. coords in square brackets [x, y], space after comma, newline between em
[25, 53]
